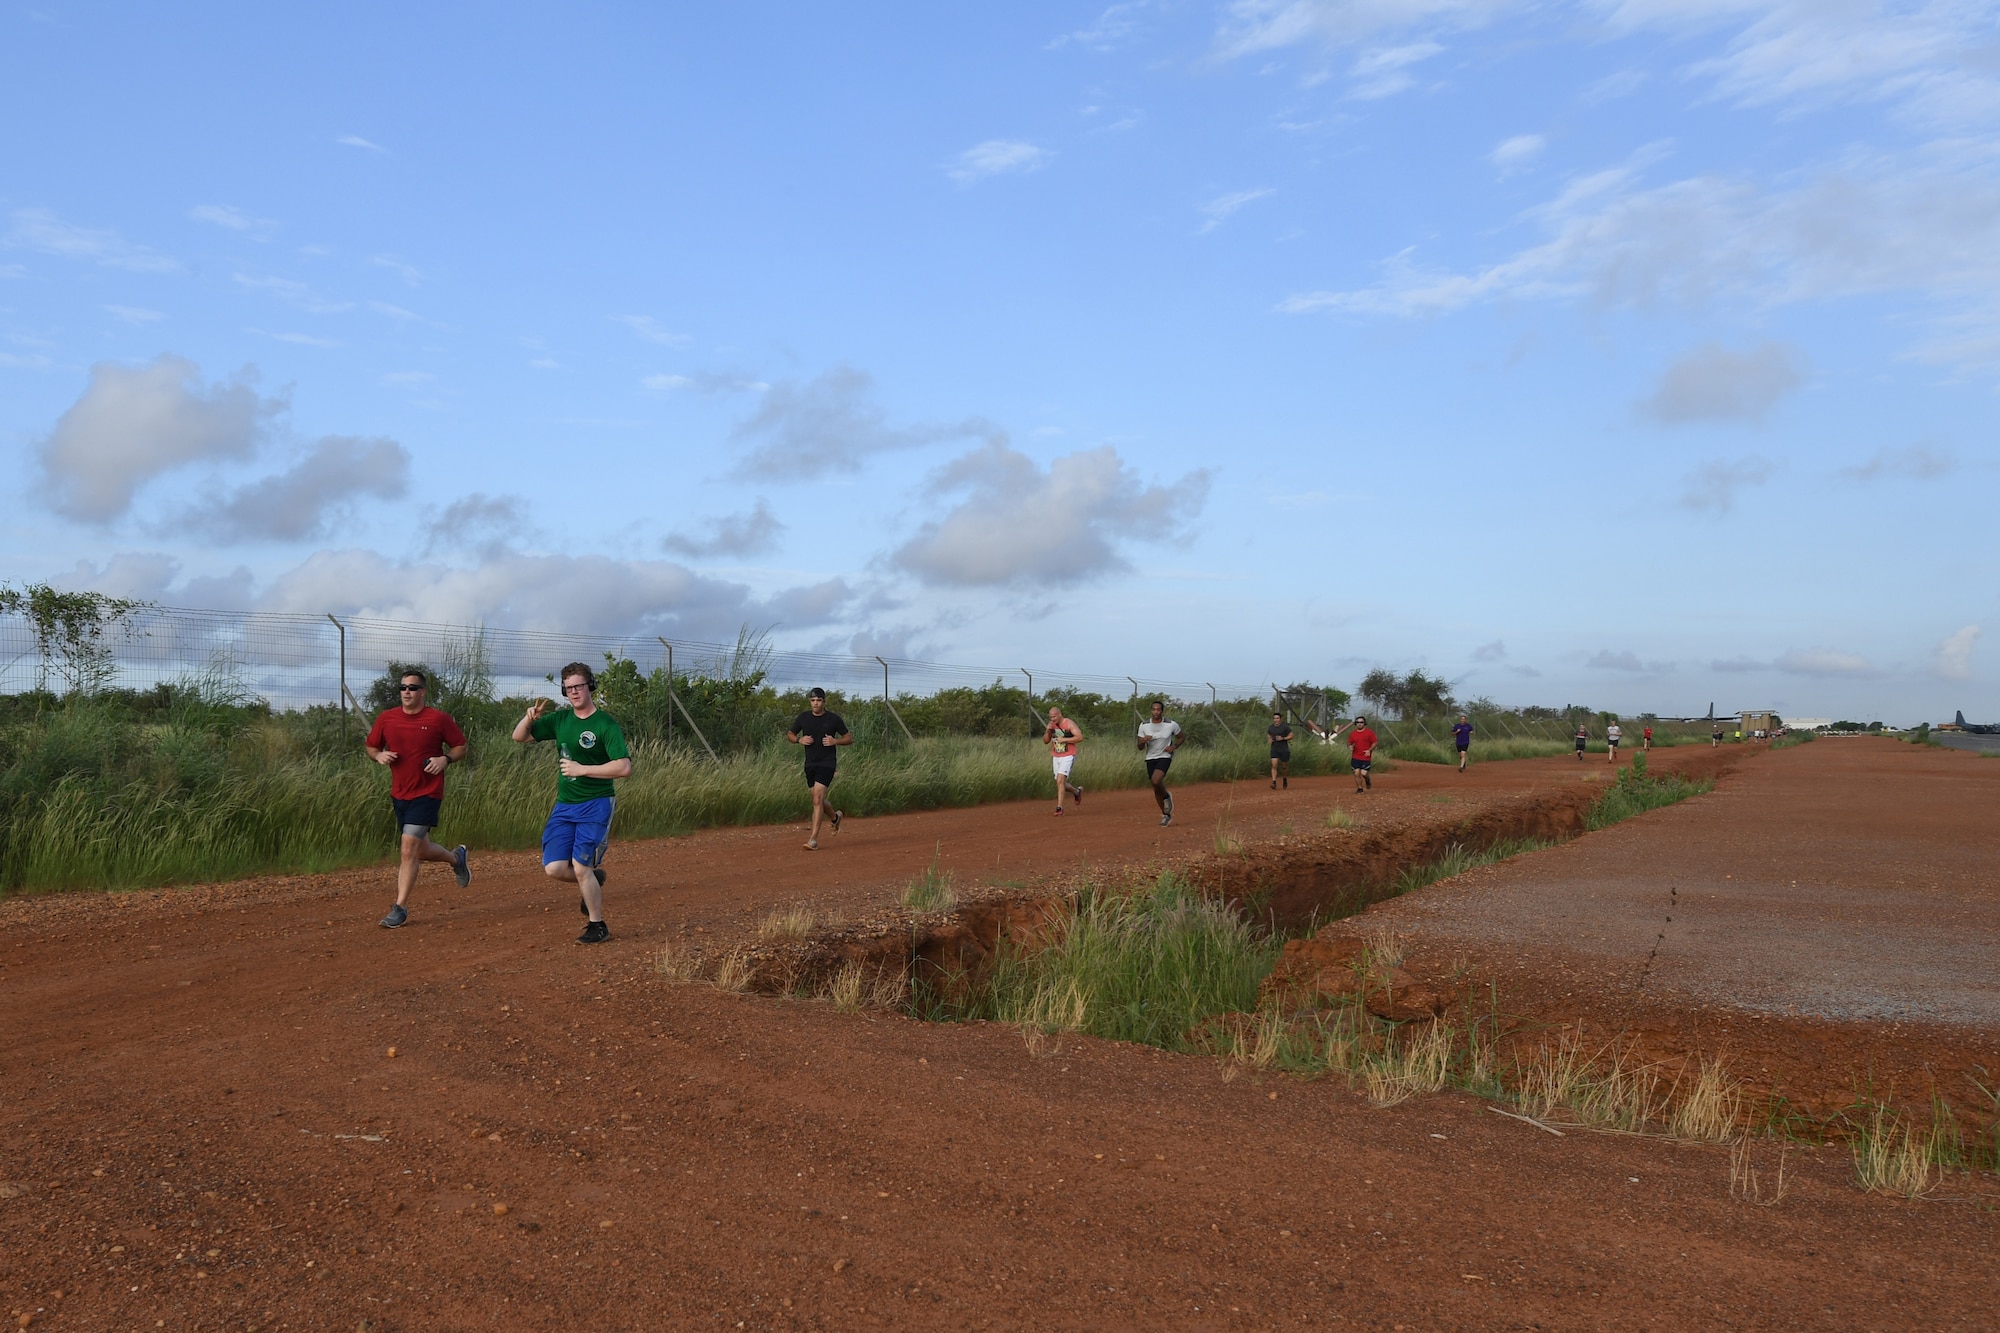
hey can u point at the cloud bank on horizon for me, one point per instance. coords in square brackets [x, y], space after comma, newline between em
[1672, 382]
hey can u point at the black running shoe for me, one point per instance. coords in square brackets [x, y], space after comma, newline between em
[1076, 794]
[397, 916]
[836, 821]
[594, 933]
[460, 868]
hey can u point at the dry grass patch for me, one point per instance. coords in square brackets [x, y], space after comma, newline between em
[790, 923]
[733, 973]
[1889, 1158]
[1712, 1107]
[677, 962]
[1412, 1067]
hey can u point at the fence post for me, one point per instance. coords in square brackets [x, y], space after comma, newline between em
[1135, 700]
[675, 700]
[344, 695]
[890, 709]
[1217, 715]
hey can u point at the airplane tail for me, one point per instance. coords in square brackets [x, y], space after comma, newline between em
[1961, 717]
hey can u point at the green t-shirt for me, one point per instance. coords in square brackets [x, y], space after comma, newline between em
[593, 740]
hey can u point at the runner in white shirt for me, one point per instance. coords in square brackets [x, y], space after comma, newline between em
[1611, 738]
[1159, 738]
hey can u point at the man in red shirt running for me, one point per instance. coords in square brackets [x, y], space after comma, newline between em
[416, 743]
[1360, 752]
[1061, 736]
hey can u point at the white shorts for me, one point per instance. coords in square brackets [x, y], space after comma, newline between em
[1062, 763]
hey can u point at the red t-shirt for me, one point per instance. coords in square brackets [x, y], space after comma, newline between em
[414, 739]
[1059, 744]
[1361, 743]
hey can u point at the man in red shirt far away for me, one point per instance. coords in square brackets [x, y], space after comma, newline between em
[1360, 752]
[416, 743]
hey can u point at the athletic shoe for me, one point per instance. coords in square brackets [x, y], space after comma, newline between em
[1058, 809]
[812, 844]
[460, 868]
[1168, 808]
[836, 821]
[1274, 784]
[1076, 794]
[397, 916]
[594, 933]
[1288, 784]
[1166, 820]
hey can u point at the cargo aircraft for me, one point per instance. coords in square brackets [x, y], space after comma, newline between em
[1978, 728]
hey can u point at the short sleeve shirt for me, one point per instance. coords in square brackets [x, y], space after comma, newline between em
[414, 740]
[1061, 735]
[1361, 743]
[1280, 733]
[1159, 735]
[1461, 734]
[818, 754]
[596, 739]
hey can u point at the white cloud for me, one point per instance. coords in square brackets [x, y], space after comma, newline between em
[1823, 662]
[583, 594]
[478, 522]
[411, 275]
[407, 378]
[133, 314]
[302, 501]
[1020, 525]
[1954, 655]
[1914, 226]
[133, 423]
[356, 141]
[41, 231]
[1112, 27]
[396, 312]
[1919, 462]
[33, 361]
[1713, 486]
[829, 424]
[645, 326]
[1490, 652]
[292, 292]
[1618, 83]
[233, 219]
[1385, 72]
[1517, 152]
[1252, 26]
[1219, 209]
[706, 381]
[1629, 662]
[1712, 383]
[996, 157]
[1739, 665]
[156, 577]
[732, 534]
[301, 339]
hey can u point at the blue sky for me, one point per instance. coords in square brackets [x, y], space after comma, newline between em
[1632, 352]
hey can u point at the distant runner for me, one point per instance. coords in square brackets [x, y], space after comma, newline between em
[1646, 738]
[1159, 738]
[417, 743]
[1715, 736]
[820, 732]
[591, 754]
[1360, 752]
[1061, 736]
[1611, 738]
[1461, 736]
[1280, 732]
[1582, 739]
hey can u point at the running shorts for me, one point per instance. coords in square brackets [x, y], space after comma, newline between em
[417, 816]
[1282, 750]
[1361, 765]
[819, 775]
[1159, 765]
[578, 831]
[1063, 763]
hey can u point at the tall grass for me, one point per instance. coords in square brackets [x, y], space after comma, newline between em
[1144, 967]
[1636, 792]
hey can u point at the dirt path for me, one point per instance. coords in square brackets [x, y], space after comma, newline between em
[203, 1129]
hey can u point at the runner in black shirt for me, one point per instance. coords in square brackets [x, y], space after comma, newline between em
[1280, 732]
[819, 732]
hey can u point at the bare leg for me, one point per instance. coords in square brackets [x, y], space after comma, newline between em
[593, 888]
[1160, 791]
[415, 851]
[1061, 783]
[819, 810]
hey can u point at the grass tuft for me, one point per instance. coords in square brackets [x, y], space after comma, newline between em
[677, 962]
[1417, 1064]
[788, 923]
[1712, 1110]
[734, 972]
[848, 988]
[1889, 1158]
[932, 890]
[1339, 818]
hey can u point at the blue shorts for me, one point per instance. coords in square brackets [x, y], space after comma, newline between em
[578, 831]
[1361, 765]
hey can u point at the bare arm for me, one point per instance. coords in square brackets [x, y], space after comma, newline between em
[612, 768]
[438, 763]
[381, 756]
[535, 710]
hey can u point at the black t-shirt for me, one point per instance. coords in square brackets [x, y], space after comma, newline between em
[826, 724]
[1280, 733]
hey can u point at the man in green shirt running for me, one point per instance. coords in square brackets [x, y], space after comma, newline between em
[592, 753]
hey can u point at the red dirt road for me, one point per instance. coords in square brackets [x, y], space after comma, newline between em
[203, 1129]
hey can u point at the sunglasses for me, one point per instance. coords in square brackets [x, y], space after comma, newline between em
[412, 689]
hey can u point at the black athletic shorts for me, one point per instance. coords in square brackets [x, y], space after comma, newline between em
[1158, 765]
[819, 775]
[417, 810]
[1361, 765]
[1282, 751]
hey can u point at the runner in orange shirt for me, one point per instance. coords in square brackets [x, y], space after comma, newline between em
[1061, 736]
